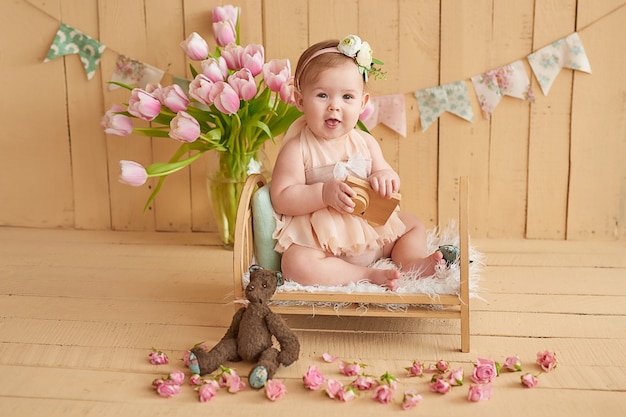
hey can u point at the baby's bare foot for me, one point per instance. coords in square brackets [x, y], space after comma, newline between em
[385, 277]
[427, 266]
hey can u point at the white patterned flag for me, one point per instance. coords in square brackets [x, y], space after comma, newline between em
[508, 80]
[453, 98]
[132, 72]
[69, 41]
[390, 111]
[566, 52]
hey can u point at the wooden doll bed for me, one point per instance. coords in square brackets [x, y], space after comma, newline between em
[445, 306]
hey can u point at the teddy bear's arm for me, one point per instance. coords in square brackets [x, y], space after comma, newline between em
[233, 330]
[289, 344]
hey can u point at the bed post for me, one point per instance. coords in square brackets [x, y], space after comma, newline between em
[464, 264]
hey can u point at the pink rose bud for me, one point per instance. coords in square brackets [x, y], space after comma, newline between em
[410, 399]
[158, 358]
[484, 371]
[195, 47]
[253, 58]
[347, 394]
[174, 98]
[442, 366]
[479, 392]
[276, 73]
[274, 389]
[224, 32]
[215, 69]
[349, 369]
[207, 391]
[547, 360]
[383, 394]
[513, 364]
[233, 54]
[168, 389]
[364, 383]
[132, 173]
[529, 381]
[143, 105]
[184, 128]
[200, 89]
[221, 13]
[243, 83]
[196, 380]
[313, 378]
[116, 124]
[333, 388]
[417, 369]
[224, 98]
[456, 377]
[440, 385]
[176, 377]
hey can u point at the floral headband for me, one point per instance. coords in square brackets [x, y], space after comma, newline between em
[352, 46]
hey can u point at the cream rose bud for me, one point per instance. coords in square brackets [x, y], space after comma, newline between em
[364, 56]
[350, 45]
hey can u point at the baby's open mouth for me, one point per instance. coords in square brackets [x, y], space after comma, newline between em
[332, 122]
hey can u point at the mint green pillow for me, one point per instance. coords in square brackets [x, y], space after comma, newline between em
[263, 227]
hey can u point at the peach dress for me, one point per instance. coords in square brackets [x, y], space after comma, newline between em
[344, 235]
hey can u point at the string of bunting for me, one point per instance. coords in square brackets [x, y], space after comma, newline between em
[490, 87]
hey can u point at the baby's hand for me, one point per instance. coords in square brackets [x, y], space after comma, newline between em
[385, 183]
[338, 195]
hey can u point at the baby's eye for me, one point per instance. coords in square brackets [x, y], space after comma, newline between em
[348, 96]
[322, 95]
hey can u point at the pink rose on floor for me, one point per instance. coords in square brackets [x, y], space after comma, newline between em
[456, 377]
[207, 391]
[231, 381]
[274, 389]
[156, 357]
[329, 358]
[484, 371]
[547, 360]
[177, 377]
[529, 381]
[442, 366]
[479, 392]
[439, 385]
[196, 380]
[346, 394]
[513, 364]
[364, 383]
[333, 388]
[383, 394]
[168, 389]
[157, 382]
[313, 378]
[389, 379]
[350, 369]
[417, 369]
[410, 399]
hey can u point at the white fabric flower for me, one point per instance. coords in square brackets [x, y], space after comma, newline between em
[364, 56]
[350, 45]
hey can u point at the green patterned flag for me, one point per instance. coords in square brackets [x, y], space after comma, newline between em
[453, 98]
[72, 41]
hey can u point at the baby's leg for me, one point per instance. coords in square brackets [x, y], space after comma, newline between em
[410, 251]
[309, 266]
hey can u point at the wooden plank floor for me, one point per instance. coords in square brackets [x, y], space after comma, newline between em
[80, 311]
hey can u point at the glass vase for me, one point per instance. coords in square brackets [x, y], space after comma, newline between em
[227, 174]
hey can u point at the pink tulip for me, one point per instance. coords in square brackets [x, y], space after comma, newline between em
[174, 98]
[167, 389]
[116, 124]
[383, 394]
[479, 392]
[410, 399]
[547, 360]
[233, 54]
[207, 391]
[195, 47]
[253, 58]
[224, 98]
[224, 32]
[286, 92]
[243, 83]
[313, 379]
[221, 13]
[274, 389]
[200, 89]
[529, 381]
[484, 371]
[143, 105]
[276, 73]
[184, 127]
[132, 173]
[215, 69]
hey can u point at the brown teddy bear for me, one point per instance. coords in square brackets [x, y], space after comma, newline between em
[249, 336]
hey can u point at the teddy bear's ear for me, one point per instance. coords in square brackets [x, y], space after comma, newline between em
[279, 279]
[254, 268]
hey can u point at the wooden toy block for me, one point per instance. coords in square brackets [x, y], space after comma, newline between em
[369, 205]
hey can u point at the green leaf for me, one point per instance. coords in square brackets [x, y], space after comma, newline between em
[126, 86]
[152, 132]
[362, 126]
[194, 73]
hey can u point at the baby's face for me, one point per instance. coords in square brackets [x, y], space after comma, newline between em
[332, 104]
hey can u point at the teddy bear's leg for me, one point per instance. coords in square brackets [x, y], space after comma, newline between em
[207, 362]
[265, 368]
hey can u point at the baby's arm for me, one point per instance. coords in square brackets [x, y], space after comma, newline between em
[292, 196]
[384, 180]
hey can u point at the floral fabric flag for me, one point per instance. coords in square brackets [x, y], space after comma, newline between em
[390, 111]
[547, 62]
[70, 41]
[132, 72]
[453, 98]
[509, 80]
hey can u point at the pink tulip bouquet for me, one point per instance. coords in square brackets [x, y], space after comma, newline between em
[235, 103]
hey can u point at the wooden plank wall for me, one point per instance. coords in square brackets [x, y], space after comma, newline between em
[555, 169]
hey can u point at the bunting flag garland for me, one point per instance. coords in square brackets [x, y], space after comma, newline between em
[390, 111]
[547, 62]
[132, 72]
[452, 97]
[510, 80]
[72, 41]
